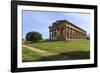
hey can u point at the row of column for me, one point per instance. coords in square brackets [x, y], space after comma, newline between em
[54, 34]
[73, 34]
[66, 34]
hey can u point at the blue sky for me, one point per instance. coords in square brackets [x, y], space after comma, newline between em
[40, 21]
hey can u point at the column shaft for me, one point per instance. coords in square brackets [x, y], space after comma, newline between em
[73, 33]
[50, 33]
[70, 33]
[67, 33]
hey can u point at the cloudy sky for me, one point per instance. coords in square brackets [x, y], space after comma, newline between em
[40, 21]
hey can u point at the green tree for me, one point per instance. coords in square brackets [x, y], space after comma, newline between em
[33, 36]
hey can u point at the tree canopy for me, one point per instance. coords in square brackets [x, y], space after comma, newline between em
[33, 36]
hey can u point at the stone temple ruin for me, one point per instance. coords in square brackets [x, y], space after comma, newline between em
[64, 30]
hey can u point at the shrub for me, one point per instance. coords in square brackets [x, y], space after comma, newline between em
[33, 36]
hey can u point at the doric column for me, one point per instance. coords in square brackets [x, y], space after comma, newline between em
[76, 34]
[64, 33]
[53, 34]
[79, 35]
[50, 35]
[67, 33]
[73, 34]
[82, 36]
[57, 34]
[70, 33]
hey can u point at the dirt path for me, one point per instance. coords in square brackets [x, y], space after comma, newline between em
[43, 52]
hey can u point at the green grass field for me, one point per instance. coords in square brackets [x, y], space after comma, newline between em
[65, 50]
[29, 55]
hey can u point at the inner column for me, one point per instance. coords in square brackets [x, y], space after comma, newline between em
[67, 33]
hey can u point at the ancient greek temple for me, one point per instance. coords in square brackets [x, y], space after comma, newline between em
[64, 30]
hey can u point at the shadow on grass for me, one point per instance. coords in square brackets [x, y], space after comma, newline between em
[78, 55]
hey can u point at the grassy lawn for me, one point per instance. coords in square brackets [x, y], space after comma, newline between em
[63, 46]
[29, 55]
[71, 49]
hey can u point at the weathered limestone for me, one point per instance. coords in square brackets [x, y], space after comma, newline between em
[64, 30]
